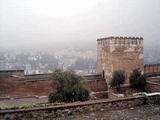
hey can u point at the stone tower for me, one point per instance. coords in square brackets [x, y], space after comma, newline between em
[119, 53]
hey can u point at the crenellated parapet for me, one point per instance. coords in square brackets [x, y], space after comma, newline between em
[120, 41]
[152, 70]
[119, 53]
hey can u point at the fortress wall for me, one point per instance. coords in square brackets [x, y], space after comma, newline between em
[119, 53]
[18, 87]
[8, 73]
[36, 86]
[151, 68]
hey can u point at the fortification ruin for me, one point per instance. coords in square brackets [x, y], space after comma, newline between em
[119, 53]
[113, 53]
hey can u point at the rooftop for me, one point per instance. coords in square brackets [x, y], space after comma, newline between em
[120, 37]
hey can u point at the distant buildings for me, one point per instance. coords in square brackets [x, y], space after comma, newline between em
[43, 62]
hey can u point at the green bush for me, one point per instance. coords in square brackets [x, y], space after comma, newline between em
[70, 87]
[54, 97]
[118, 78]
[137, 80]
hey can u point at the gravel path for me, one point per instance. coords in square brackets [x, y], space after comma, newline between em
[146, 112]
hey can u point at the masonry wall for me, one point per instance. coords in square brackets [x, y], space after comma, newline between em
[97, 85]
[8, 73]
[119, 53]
[152, 70]
[36, 86]
[20, 88]
[99, 88]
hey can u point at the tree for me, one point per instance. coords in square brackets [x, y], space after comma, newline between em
[137, 79]
[70, 87]
[118, 78]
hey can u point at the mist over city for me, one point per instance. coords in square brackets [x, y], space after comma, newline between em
[64, 31]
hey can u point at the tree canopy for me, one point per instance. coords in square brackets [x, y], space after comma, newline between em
[137, 80]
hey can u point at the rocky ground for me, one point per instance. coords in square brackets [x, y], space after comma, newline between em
[144, 112]
[147, 112]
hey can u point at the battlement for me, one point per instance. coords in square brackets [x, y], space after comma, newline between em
[120, 41]
[119, 53]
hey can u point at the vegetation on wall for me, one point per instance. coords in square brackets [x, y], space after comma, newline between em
[118, 78]
[70, 87]
[137, 79]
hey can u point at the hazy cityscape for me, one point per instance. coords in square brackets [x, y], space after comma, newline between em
[82, 61]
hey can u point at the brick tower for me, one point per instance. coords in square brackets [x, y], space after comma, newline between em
[119, 53]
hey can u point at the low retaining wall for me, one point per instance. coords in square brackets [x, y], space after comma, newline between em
[77, 108]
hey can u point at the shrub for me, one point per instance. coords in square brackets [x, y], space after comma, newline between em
[118, 78]
[53, 97]
[137, 80]
[70, 87]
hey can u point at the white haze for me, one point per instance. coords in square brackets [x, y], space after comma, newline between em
[52, 24]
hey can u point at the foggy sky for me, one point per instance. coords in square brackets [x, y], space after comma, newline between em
[78, 23]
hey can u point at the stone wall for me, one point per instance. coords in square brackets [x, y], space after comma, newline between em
[41, 85]
[98, 88]
[62, 111]
[8, 73]
[97, 85]
[151, 70]
[119, 53]
[34, 77]
[18, 87]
